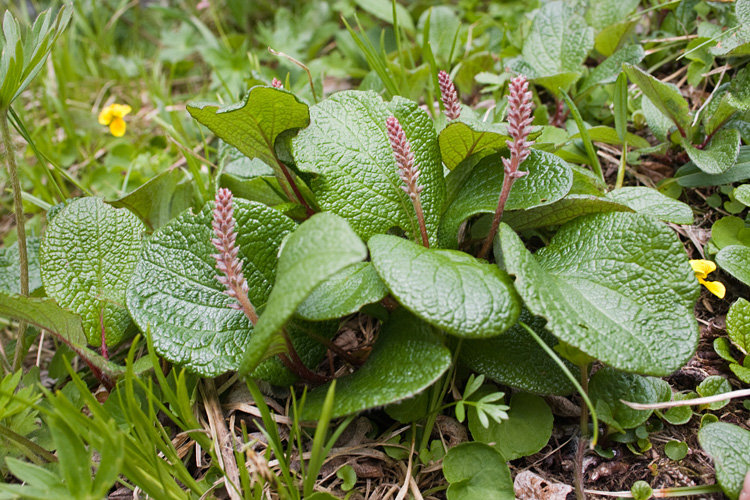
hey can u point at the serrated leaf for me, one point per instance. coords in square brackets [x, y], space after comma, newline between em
[346, 146]
[319, 248]
[451, 290]
[738, 325]
[712, 386]
[651, 202]
[720, 154]
[617, 286]
[526, 431]
[735, 260]
[608, 135]
[515, 359]
[727, 444]
[609, 386]
[160, 199]
[549, 179]
[461, 139]
[253, 125]
[10, 268]
[407, 358]
[343, 293]
[559, 40]
[88, 255]
[477, 471]
[607, 71]
[174, 290]
[562, 211]
[664, 97]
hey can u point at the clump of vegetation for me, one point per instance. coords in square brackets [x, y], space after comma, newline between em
[396, 253]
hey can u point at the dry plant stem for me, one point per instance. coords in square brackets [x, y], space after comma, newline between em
[224, 439]
[581, 448]
[10, 158]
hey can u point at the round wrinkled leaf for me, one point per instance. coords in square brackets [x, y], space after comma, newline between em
[617, 286]
[174, 290]
[407, 358]
[88, 255]
[720, 154]
[344, 293]
[549, 179]
[735, 259]
[562, 211]
[676, 450]
[461, 139]
[608, 387]
[451, 290]
[477, 471]
[10, 268]
[515, 359]
[712, 386]
[651, 202]
[347, 148]
[738, 324]
[727, 444]
[526, 431]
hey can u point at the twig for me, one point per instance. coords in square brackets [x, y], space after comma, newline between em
[689, 402]
[224, 439]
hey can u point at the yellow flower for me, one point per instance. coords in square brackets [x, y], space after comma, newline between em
[113, 115]
[702, 269]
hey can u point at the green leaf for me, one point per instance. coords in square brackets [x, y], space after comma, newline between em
[174, 290]
[689, 175]
[621, 109]
[75, 459]
[347, 147]
[738, 324]
[549, 179]
[88, 255]
[461, 139]
[610, 387]
[604, 13]
[730, 230]
[344, 293]
[739, 93]
[718, 110]
[10, 268]
[348, 477]
[559, 40]
[383, 10]
[727, 444]
[526, 431]
[679, 415]
[741, 372]
[321, 246]
[720, 154]
[249, 179]
[253, 125]
[608, 135]
[742, 194]
[562, 211]
[617, 286]
[734, 259]
[641, 490]
[515, 359]
[657, 121]
[477, 471]
[676, 450]
[712, 386]
[449, 289]
[651, 202]
[607, 71]
[47, 315]
[664, 97]
[160, 199]
[723, 349]
[407, 358]
[610, 39]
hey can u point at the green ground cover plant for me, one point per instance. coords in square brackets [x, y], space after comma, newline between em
[372, 249]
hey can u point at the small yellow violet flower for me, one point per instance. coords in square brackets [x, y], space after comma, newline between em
[702, 269]
[113, 115]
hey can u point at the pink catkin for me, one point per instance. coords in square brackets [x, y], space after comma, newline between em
[277, 84]
[226, 260]
[408, 170]
[519, 120]
[449, 96]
